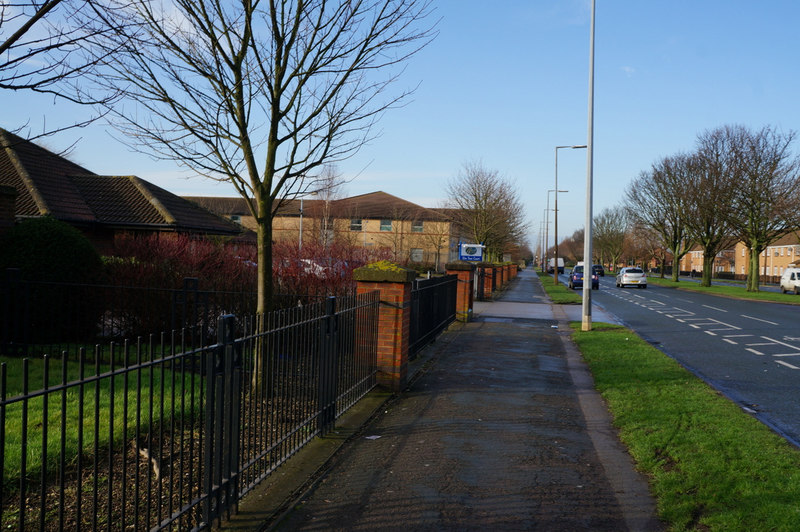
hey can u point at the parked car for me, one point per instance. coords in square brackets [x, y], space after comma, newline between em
[790, 280]
[599, 270]
[631, 276]
[576, 279]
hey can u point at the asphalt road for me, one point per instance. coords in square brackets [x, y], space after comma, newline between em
[749, 351]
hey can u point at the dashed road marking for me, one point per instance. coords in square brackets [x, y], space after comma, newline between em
[759, 319]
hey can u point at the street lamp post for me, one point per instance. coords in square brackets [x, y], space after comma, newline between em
[555, 226]
[586, 321]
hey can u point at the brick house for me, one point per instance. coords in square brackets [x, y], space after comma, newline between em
[376, 219]
[44, 183]
[778, 256]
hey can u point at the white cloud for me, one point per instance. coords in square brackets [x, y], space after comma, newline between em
[628, 70]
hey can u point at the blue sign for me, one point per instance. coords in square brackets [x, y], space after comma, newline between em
[471, 252]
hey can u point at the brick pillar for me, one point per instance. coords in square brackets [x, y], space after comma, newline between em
[8, 196]
[465, 290]
[394, 318]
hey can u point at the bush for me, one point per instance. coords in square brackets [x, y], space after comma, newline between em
[46, 250]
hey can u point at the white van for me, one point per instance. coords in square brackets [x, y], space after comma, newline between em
[790, 280]
[552, 264]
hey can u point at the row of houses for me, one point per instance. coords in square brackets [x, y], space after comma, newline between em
[781, 254]
[37, 182]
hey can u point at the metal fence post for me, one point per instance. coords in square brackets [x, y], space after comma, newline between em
[328, 367]
[223, 391]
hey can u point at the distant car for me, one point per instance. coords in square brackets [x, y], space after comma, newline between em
[631, 276]
[576, 279]
[599, 270]
[790, 281]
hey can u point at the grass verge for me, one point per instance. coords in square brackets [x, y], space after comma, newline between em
[560, 294]
[711, 466]
[728, 290]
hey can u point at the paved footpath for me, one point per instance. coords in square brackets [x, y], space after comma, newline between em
[501, 430]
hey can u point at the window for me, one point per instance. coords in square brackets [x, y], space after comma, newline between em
[782, 251]
[416, 255]
[355, 224]
[386, 225]
[416, 227]
[742, 252]
[235, 218]
[743, 270]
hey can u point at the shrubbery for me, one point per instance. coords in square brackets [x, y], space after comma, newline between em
[46, 250]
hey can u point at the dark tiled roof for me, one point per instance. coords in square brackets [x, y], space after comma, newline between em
[47, 183]
[40, 179]
[222, 206]
[377, 205]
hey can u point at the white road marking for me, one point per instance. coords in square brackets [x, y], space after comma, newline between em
[779, 342]
[786, 364]
[730, 341]
[755, 352]
[788, 355]
[758, 319]
[715, 308]
[710, 333]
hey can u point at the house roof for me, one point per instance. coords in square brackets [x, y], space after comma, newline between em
[377, 205]
[49, 184]
[374, 205]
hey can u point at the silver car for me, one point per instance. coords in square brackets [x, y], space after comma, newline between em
[631, 276]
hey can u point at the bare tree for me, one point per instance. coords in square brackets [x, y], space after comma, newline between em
[571, 248]
[610, 229]
[261, 94]
[488, 208]
[659, 199]
[43, 49]
[711, 183]
[766, 199]
[330, 186]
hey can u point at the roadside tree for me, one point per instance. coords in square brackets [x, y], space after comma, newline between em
[488, 208]
[261, 96]
[710, 191]
[766, 198]
[610, 230]
[659, 199]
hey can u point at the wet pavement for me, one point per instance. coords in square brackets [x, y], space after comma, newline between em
[500, 428]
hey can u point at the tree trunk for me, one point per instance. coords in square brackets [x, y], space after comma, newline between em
[676, 269]
[753, 272]
[708, 269]
[265, 295]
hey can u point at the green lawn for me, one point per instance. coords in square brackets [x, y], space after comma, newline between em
[727, 290]
[149, 390]
[711, 465]
[560, 294]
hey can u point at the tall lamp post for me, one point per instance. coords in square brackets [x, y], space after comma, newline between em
[586, 320]
[555, 228]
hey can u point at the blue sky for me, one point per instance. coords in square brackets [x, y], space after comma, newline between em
[507, 81]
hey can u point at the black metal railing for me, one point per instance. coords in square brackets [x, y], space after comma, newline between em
[433, 308]
[163, 433]
[48, 317]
